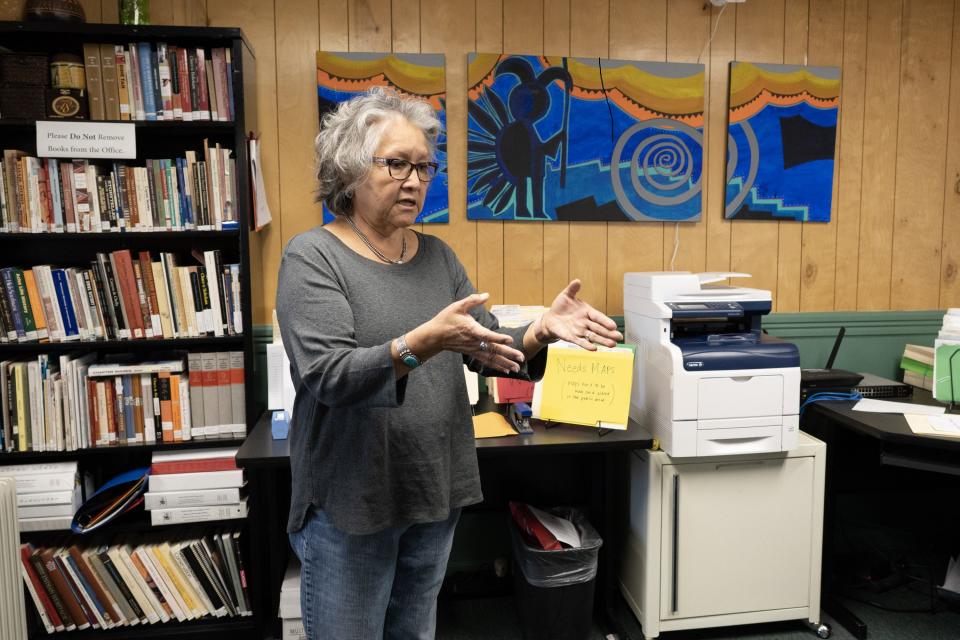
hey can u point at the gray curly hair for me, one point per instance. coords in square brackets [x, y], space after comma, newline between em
[350, 134]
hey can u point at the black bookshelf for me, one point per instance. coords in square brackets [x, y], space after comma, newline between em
[95, 453]
[233, 628]
[123, 346]
[155, 139]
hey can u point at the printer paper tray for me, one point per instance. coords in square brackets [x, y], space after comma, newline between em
[735, 423]
[717, 442]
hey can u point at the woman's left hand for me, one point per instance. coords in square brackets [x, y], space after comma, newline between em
[573, 320]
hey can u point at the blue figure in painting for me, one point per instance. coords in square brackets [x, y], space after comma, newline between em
[508, 157]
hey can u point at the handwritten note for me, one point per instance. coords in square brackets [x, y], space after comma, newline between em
[586, 387]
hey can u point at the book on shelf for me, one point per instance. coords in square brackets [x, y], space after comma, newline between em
[121, 297]
[144, 581]
[195, 486]
[159, 81]
[196, 480]
[51, 195]
[184, 515]
[70, 402]
[48, 494]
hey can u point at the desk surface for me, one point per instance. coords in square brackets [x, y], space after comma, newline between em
[261, 450]
[886, 427]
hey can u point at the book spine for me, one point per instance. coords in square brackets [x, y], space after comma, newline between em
[91, 62]
[123, 82]
[145, 60]
[111, 93]
[71, 330]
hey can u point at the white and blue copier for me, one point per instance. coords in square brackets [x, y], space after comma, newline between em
[707, 381]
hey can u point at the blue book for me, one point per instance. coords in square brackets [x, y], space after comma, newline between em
[184, 198]
[128, 409]
[70, 329]
[16, 313]
[86, 586]
[145, 61]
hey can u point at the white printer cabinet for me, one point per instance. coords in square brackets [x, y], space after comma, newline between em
[725, 540]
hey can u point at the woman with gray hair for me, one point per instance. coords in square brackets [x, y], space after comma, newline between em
[378, 320]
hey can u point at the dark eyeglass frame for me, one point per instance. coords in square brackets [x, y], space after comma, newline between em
[401, 169]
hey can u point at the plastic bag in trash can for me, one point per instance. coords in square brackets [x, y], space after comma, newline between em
[562, 567]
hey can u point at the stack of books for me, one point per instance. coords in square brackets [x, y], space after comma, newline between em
[48, 494]
[69, 402]
[107, 586]
[158, 81]
[50, 195]
[195, 486]
[917, 365]
[121, 297]
[946, 362]
[291, 616]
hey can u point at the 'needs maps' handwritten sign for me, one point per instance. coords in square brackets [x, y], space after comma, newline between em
[72, 139]
[586, 387]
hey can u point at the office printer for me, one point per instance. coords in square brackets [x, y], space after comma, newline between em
[706, 380]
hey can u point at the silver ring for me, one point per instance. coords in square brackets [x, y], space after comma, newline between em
[483, 345]
[588, 336]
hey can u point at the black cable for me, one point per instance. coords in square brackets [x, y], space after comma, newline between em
[606, 98]
[883, 607]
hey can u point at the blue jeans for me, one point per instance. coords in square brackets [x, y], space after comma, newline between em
[382, 585]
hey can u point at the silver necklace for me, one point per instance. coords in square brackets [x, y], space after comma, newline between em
[376, 252]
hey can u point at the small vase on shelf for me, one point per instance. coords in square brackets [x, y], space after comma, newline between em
[134, 11]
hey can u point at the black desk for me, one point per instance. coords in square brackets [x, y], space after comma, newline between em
[859, 443]
[267, 464]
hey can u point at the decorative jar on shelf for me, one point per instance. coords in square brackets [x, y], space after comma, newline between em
[64, 10]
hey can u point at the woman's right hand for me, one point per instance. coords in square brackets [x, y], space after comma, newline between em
[454, 329]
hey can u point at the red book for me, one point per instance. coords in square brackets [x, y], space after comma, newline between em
[203, 96]
[127, 280]
[193, 466]
[51, 612]
[183, 78]
[66, 593]
[93, 412]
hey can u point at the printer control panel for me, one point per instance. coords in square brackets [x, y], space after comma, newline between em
[705, 309]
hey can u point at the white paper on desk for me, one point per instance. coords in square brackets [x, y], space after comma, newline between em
[942, 425]
[885, 406]
[562, 530]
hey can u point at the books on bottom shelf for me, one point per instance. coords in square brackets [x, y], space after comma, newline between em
[195, 486]
[48, 494]
[139, 582]
[70, 402]
[290, 613]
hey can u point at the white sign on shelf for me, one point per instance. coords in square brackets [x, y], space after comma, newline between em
[73, 139]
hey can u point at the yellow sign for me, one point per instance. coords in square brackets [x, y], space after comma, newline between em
[586, 387]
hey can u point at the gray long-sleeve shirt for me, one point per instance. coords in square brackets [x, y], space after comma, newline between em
[372, 450]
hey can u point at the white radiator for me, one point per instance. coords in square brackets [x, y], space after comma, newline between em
[13, 619]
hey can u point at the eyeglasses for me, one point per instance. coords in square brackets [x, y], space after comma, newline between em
[401, 169]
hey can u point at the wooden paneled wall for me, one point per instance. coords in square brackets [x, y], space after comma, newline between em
[894, 238]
